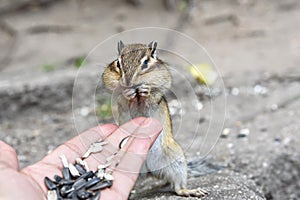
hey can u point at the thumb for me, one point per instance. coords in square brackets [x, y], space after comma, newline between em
[8, 157]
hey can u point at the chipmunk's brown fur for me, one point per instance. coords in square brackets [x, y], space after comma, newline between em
[142, 79]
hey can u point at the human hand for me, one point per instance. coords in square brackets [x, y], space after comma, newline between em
[28, 183]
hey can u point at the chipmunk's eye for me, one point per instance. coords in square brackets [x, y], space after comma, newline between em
[145, 64]
[118, 66]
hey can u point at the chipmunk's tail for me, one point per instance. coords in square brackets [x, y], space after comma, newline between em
[202, 166]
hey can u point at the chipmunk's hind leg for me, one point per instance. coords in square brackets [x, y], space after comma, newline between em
[179, 184]
[191, 192]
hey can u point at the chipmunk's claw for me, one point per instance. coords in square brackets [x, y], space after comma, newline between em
[192, 192]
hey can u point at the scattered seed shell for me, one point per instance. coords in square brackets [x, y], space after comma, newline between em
[123, 142]
[85, 165]
[108, 177]
[79, 161]
[64, 160]
[51, 195]
[108, 159]
[103, 166]
[100, 174]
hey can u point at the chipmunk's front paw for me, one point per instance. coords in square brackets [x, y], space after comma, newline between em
[129, 93]
[144, 90]
[192, 192]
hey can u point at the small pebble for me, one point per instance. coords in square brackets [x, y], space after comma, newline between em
[225, 133]
[243, 133]
[274, 107]
[235, 91]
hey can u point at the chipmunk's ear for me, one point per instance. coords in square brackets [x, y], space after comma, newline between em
[152, 45]
[120, 46]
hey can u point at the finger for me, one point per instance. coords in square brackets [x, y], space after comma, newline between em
[72, 149]
[112, 148]
[128, 169]
[8, 157]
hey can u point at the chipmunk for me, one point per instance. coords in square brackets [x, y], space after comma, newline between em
[142, 79]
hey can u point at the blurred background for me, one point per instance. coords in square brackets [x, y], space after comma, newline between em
[255, 48]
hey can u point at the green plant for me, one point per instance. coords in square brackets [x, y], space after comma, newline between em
[48, 67]
[104, 108]
[78, 62]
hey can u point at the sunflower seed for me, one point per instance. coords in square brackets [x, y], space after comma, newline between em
[65, 182]
[108, 159]
[108, 177]
[96, 196]
[85, 165]
[100, 174]
[51, 195]
[65, 190]
[50, 185]
[101, 167]
[64, 160]
[79, 184]
[82, 194]
[87, 175]
[80, 169]
[74, 172]
[92, 182]
[95, 148]
[57, 178]
[66, 173]
[79, 161]
[101, 185]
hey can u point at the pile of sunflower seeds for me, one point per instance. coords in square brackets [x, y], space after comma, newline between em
[78, 181]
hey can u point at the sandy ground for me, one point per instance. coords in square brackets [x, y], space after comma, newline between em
[255, 46]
